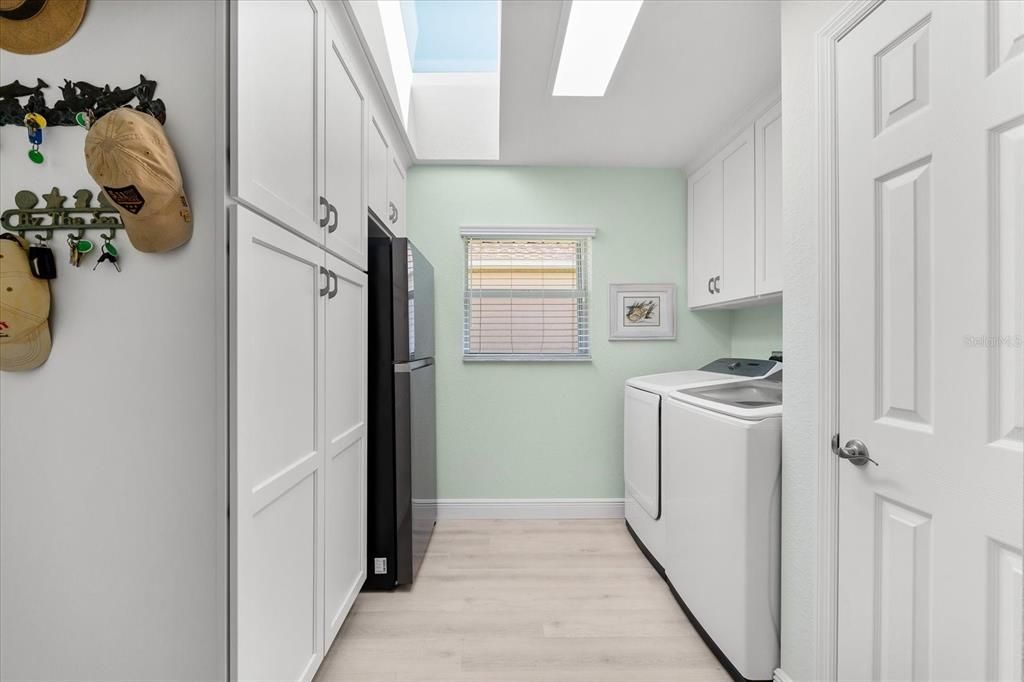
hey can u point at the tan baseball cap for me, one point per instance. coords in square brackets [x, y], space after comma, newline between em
[128, 154]
[24, 310]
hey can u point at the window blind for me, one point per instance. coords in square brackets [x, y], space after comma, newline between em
[527, 298]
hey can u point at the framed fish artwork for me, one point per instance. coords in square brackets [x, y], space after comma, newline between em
[639, 312]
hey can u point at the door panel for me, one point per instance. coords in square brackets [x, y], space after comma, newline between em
[277, 460]
[642, 454]
[377, 171]
[276, 122]
[738, 200]
[396, 197]
[344, 152]
[768, 240]
[1006, 371]
[930, 371]
[705, 226]
[345, 444]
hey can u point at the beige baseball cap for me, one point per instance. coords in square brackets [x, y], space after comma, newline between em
[24, 310]
[128, 155]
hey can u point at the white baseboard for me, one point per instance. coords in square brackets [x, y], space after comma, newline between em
[781, 676]
[561, 508]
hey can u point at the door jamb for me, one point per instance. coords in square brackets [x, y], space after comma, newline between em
[827, 607]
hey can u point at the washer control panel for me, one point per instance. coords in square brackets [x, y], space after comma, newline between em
[743, 367]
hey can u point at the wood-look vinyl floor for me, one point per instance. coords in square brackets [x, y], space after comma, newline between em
[523, 601]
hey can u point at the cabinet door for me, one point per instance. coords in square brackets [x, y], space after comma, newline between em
[768, 238]
[345, 330]
[396, 197]
[275, 122]
[377, 171]
[344, 152]
[737, 161]
[705, 233]
[277, 456]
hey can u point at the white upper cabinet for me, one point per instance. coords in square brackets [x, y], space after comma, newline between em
[343, 195]
[736, 280]
[396, 197]
[377, 170]
[735, 220]
[768, 244]
[276, 122]
[705, 233]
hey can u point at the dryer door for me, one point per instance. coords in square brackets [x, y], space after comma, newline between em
[642, 449]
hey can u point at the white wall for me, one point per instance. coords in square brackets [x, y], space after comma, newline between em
[801, 450]
[112, 489]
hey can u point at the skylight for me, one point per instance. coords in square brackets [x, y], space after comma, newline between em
[452, 36]
[594, 38]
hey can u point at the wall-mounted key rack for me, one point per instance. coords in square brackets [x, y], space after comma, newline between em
[78, 98]
[54, 215]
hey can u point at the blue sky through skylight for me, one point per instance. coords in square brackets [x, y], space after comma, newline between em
[452, 36]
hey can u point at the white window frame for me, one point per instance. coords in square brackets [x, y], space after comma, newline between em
[513, 232]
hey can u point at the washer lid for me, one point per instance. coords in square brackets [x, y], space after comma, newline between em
[758, 399]
[723, 370]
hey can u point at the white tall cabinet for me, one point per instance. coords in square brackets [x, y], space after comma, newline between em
[734, 219]
[310, 153]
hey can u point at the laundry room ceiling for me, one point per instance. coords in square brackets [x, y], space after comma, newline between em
[689, 69]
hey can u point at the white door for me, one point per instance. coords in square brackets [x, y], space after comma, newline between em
[736, 278]
[768, 210]
[931, 224]
[377, 171]
[344, 153]
[275, 119]
[705, 233]
[345, 329]
[396, 197]
[277, 457]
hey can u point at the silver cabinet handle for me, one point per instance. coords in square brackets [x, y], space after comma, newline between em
[332, 214]
[717, 280]
[327, 280]
[855, 451]
[327, 213]
[711, 288]
[334, 284]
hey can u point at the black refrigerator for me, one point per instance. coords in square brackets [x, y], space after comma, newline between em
[401, 443]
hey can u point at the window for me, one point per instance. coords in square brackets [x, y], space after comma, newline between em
[452, 36]
[527, 294]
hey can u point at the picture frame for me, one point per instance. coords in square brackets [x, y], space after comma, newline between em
[641, 312]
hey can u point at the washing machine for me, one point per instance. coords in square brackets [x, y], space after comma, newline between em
[722, 503]
[643, 447]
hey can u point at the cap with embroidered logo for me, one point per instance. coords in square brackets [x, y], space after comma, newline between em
[129, 156]
[24, 310]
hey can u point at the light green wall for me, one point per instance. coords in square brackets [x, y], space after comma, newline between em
[535, 430]
[757, 331]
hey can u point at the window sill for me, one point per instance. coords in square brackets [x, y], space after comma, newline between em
[516, 357]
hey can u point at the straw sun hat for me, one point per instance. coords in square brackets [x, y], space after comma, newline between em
[34, 26]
